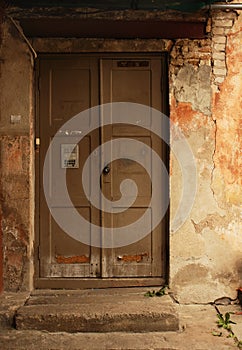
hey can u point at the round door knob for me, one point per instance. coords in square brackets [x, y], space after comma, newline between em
[106, 170]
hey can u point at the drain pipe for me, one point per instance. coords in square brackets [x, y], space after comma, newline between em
[227, 6]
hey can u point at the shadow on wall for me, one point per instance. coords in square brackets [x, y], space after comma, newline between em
[240, 282]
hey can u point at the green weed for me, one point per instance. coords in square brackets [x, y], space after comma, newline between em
[225, 322]
[158, 293]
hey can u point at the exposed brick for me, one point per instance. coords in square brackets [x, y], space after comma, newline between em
[193, 61]
[219, 56]
[223, 23]
[220, 71]
[221, 15]
[185, 49]
[205, 57]
[219, 39]
[198, 55]
[205, 49]
[227, 30]
[194, 52]
[179, 62]
[219, 47]
[219, 80]
[218, 31]
[219, 64]
[205, 62]
[204, 42]
[173, 53]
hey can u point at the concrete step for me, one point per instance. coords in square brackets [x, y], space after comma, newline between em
[111, 310]
[9, 304]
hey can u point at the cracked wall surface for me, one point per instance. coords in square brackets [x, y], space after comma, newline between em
[227, 112]
[205, 102]
[16, 154]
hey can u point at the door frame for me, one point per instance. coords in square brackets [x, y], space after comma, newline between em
[82, 283]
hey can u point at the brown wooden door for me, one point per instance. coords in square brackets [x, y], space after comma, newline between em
[133, 80]
[69, 85]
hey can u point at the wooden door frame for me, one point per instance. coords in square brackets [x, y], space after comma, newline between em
[82, 283]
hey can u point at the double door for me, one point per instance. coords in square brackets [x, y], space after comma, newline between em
[69, 85]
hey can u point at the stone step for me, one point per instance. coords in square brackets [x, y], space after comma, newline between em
[9, 304]
[112, 310]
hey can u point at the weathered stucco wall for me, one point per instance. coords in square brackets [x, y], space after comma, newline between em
[205, 98]
[205, 102]
[227, 175]
[16, 125]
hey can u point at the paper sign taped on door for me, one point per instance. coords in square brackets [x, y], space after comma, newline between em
[69, 156]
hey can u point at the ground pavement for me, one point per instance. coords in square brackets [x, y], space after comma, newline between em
[198, 327]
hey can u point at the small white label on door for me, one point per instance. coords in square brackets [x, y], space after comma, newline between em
[69, 156]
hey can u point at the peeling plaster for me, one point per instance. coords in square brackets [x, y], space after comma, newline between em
[227, 109]
[211, 239]
[193, 86]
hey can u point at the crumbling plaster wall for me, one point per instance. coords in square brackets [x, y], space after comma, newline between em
[205, 102]
[16, 159]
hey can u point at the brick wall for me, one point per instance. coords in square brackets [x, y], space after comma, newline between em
[222, 23]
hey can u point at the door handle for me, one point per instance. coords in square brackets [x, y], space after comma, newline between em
[106, 170]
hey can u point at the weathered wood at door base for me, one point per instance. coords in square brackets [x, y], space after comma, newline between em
[58, 283]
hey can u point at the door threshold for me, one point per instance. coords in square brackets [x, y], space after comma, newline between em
[65, 283]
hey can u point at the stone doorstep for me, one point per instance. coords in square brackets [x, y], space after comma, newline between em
[9, 304]
[93, 311]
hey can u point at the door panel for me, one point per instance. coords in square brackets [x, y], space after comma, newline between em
[136, 81]
[68, 86]
[133, 80]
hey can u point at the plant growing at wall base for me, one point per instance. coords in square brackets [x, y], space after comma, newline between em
[225, 322]
[158, 293]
